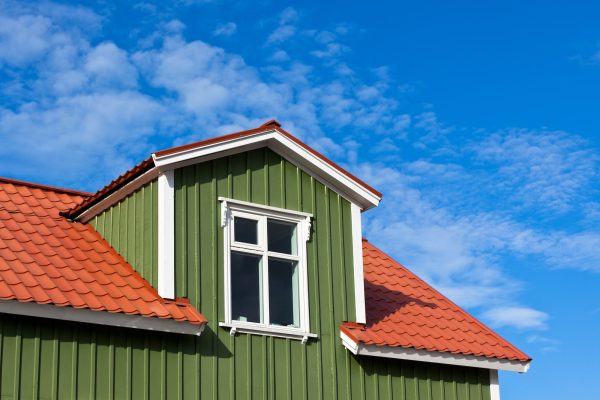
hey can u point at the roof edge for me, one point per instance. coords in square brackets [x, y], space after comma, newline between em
[462, 310]
[117, 183]
[437, 357]
[85, 315]
[45, 187]
[279, 140]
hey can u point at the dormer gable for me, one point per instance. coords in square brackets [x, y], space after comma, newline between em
[156, 188]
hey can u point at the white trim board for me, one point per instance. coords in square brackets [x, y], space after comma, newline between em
[86, 315]
[277, 141]
[437, 357]
[494, 385]
[118, 195]
[357, 255]
[166, 235]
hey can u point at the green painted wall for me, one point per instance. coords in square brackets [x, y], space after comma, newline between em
[130, 228]
[44, 359]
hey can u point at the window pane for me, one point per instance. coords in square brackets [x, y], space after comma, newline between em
[284, 302]
[246, 284]
[281, 236]
[246, 230]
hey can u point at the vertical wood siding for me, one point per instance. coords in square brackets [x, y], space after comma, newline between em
[130, 228]
[45, 359]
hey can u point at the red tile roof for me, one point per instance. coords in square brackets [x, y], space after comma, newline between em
[48, 260]
[404, 311]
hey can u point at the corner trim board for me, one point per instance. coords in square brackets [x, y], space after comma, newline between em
[357, 255]
[494, 385]
[166, 234]
[438, 357]
[86, 315]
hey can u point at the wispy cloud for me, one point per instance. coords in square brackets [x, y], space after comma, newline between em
[549, 169]
[286, 27]
[516, 317]
[226, 29]
[546, 344]
[102, 100]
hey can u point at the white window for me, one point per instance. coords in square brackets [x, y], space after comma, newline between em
[266, 289]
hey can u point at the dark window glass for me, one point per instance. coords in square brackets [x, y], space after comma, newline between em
[246, 286]
[283, 293]
[281, 236]
[246, 230]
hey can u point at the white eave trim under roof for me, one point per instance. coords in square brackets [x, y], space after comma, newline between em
[438, 357]
[88, 316]
[280, 143]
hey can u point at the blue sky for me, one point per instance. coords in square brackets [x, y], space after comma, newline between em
[477, 120]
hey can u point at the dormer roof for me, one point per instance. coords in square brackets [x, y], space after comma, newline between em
[269, 134]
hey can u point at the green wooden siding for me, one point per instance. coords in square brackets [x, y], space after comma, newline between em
[44, 359]
[130, 227]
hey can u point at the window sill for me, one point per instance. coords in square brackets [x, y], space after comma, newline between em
[282, 332]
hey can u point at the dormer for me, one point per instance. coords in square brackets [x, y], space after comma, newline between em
[247, 226]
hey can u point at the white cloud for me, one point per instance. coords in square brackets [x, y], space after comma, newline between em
[72, 85]
[23, 39]
[546, 344]
[517, 317]
[109, 66]
[226, 29]
[549, 169]
[281, 34]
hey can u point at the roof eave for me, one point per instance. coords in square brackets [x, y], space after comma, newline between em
[437, 357]
[85, 315]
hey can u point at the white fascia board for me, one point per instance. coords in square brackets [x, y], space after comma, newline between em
[118, 195]
[281, 144]
[88, 316]
[357, 255]
[437, 357]
[166, 234]
[494, 385]
[331, 176]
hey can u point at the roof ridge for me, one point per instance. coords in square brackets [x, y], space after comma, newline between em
[459, 308]
[111, 187]
[45, 187]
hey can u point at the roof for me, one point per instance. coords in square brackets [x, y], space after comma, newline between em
[405, 312]
[46, 259]
[150, 163]
[113, 186]
[269, 125]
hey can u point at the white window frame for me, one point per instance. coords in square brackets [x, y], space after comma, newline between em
[231, 208]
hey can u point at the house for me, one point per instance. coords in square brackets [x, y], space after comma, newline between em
[230, 268]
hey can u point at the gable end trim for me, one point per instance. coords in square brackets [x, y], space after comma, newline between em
[278, 141]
